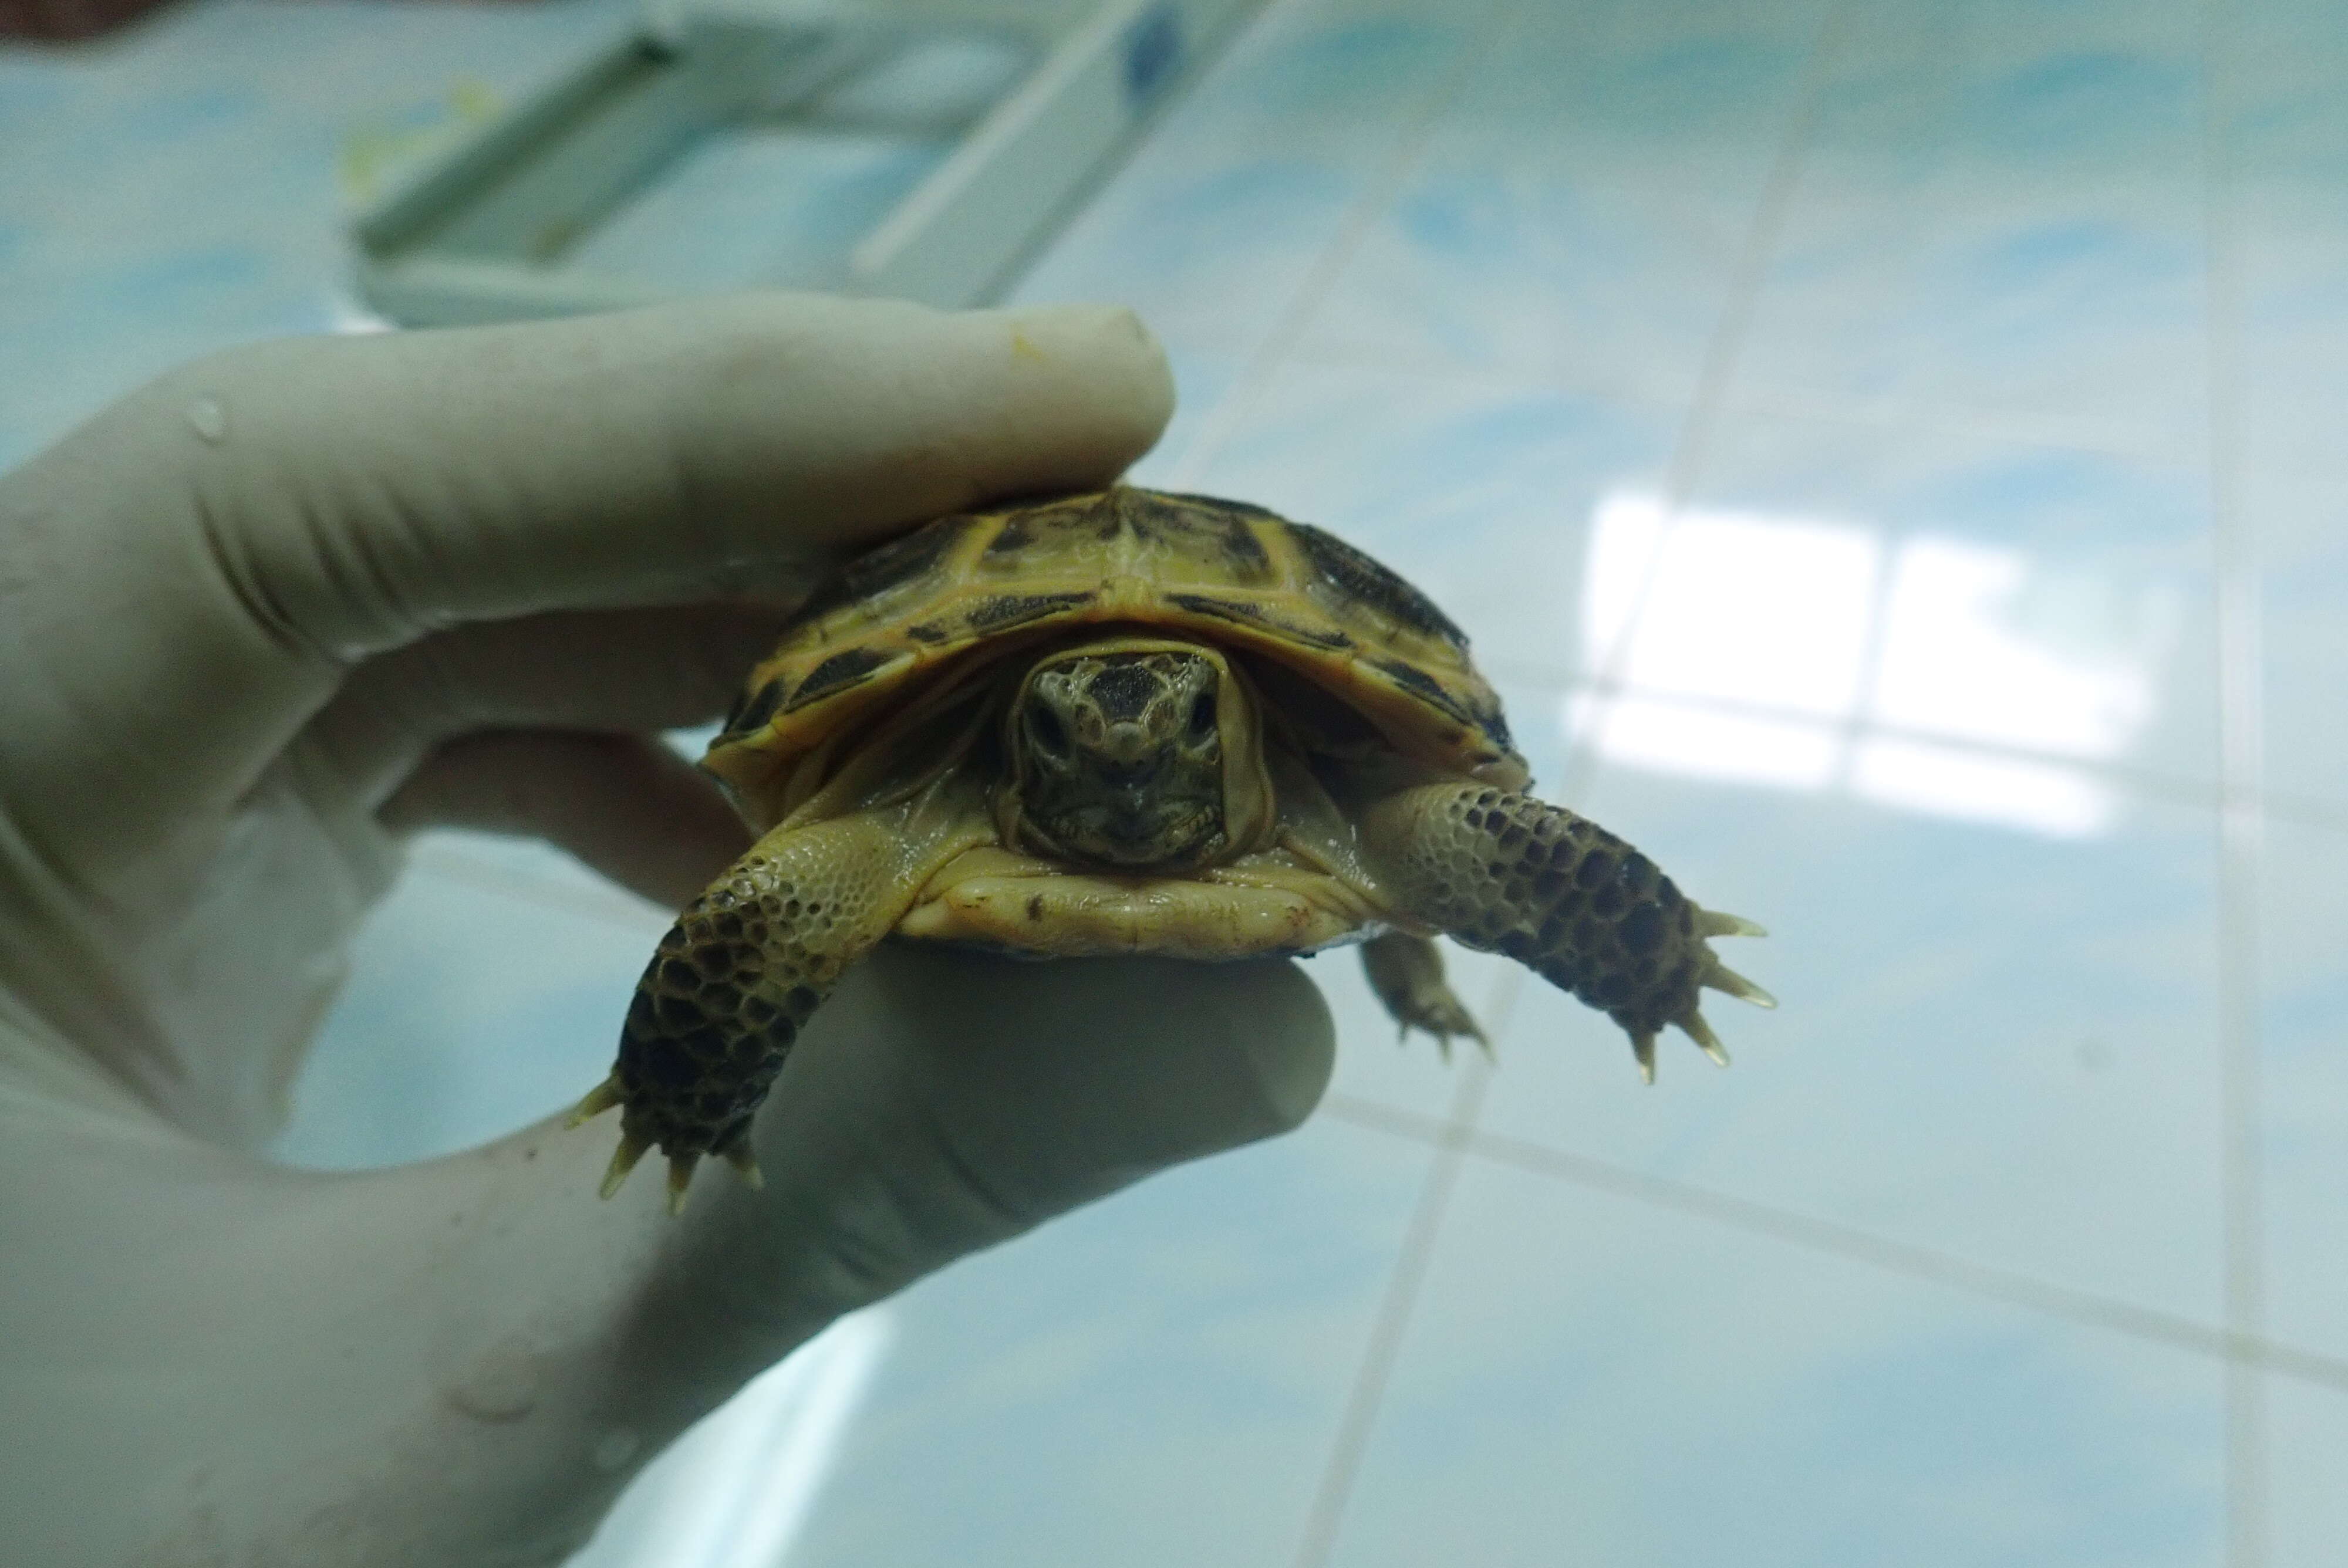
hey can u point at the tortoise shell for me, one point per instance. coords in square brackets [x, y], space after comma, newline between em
[983, 585]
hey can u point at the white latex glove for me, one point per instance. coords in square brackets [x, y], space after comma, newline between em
[280, 605]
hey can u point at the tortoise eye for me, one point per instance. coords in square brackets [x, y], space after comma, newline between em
[1044, 729]
[1203, 717]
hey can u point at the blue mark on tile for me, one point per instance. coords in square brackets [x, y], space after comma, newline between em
[172, 115]
[2055, 501]
[1153, 53]
[171, 283]
[2041, 250]
[2088, 100]
[1466, 218]
[1246, 206]
[1346, 67]
[2016, 1447]
[1697, 84]
[121, 323]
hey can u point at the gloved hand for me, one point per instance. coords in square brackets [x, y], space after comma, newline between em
[283, 604]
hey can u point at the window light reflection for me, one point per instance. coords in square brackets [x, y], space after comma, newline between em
[1971, 651]
[1704, 743]
[1800, 654]
[1752, 610]
[1944, 781]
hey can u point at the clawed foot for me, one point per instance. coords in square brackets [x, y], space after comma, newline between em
[634, 1146]
[1718, 977]
[1406, 973]
[1441, 1015]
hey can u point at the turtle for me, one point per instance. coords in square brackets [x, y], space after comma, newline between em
[1127, 722]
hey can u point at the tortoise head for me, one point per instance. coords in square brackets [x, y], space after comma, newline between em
[1117, 750]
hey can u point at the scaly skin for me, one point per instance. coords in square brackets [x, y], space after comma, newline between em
[736, 977]
[1558, 894]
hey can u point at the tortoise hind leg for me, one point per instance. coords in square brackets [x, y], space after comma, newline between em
[736, 977]
[1556, 892]
[1406, 973]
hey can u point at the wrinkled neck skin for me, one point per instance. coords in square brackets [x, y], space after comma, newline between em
[1134, 753]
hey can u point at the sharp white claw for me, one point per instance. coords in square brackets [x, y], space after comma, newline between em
[623, 1160]
[1713, 923]
[746, 1164]
[1701, 1033]
[1723, 979]
[600, 1099]
[1642, 1046]
[680, 1176]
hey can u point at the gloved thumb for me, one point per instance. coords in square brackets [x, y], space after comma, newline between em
[942, 1101]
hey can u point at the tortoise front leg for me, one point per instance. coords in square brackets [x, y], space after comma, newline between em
[736, 976]
[1556, 892]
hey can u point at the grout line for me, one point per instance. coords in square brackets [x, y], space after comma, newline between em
[2240, 825]
[1327, 1510]
[2147, 448]
[1412, 1261]
[1721, 354]
[1847, 1241]
[2304, 811]
[1279, 344]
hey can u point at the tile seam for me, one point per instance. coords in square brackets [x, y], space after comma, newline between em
[1850, 1242]
[2241, 823]
[1365, 1397]
[1957, 420]
[1278, 345]
[1715, 371]
[1324, 1516]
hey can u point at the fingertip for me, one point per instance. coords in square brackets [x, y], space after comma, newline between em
[883, 413]
[1112, 342]
[1290, 1040]
[1099, 371]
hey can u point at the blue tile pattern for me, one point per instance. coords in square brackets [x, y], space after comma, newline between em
[185, 182]
[1889, 456]
[2308, 1511]
[1587, 1381]
[1144, 1383]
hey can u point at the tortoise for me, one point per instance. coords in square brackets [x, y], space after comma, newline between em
[1127, 722]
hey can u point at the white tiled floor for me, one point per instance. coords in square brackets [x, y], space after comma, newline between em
[1588, 1380]
[1888, 454]
[1151, 1382]
[2303, 1074]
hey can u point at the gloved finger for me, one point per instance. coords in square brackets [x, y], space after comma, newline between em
[217, 547]
[627, 670]
[624, 805]
[943, 1100]
[369, 491]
